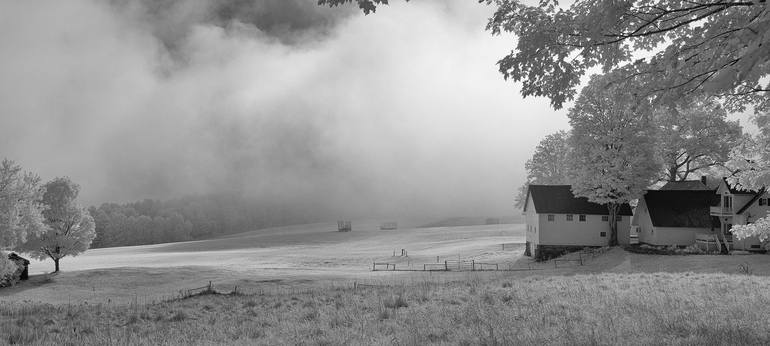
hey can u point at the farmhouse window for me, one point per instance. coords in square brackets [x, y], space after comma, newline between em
[582, 218]
[602, 234]
[605, 218]
[551, 217]
[762, 201]
[569, 217]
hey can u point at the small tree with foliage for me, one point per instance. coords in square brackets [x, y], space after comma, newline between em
[20, 209]
[70, 228]
[751, 162]
[548, 164]
[613, 157]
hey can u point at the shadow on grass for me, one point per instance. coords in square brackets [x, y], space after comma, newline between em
[34, 281]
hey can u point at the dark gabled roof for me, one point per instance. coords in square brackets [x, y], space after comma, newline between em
[688, 185]
[16, 258]
[736, 191]
[753, 199]
[672, 208]
[558, 199]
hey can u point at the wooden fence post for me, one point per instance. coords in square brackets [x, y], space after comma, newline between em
[473, 265]
[446, 266]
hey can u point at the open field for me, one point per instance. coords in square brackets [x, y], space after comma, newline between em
[310, 255]
[294, 255]
[312, 285]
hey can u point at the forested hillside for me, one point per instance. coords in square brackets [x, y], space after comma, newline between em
[189, 218]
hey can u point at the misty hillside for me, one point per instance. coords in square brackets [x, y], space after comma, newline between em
[199, 217]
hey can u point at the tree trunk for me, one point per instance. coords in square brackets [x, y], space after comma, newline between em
[56, 264]
[612, 208]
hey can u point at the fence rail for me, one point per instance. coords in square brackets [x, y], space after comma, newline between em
[434, 266]
[452, 265]
[387, 265]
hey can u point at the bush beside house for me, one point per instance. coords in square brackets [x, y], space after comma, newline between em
[16, 268]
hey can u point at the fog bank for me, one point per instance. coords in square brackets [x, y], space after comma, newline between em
[397, 113]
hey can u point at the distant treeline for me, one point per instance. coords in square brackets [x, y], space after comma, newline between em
[474, 221]
[189, 218]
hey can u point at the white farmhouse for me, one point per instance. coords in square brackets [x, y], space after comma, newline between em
[557, 221]
[740, 207]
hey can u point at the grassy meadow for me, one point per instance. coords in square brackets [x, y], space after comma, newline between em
[609, 309]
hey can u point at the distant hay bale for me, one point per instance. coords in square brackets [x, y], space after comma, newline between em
[389, 225]
[344, 226]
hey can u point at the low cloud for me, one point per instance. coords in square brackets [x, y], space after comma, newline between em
[397, 113]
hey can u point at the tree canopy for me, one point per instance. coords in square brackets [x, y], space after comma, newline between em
[670, 48]
[694, 137]
[20, 209]
[687, 47]
[548, 164]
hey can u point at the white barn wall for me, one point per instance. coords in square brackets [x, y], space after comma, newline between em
[644, 221]
[754, 212]
[533, 223]
[563, 232]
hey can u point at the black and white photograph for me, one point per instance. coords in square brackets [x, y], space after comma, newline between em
[384, 172]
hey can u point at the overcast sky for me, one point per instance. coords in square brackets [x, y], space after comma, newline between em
[398, 112]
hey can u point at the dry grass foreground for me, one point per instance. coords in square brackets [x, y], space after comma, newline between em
[610, 309]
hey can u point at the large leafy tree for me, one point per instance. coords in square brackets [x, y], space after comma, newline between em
[717, 47]
[20, 211]
[70, 228]
[694, 137]
[548, 164]
[613, 157]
